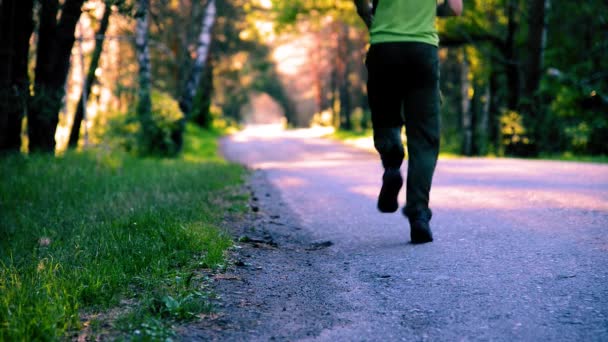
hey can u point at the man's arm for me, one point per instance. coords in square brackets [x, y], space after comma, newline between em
[364, 11]
[449, 8]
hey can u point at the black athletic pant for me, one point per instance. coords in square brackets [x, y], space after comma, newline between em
[403, 89]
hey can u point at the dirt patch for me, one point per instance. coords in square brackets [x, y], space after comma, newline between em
[278, 285]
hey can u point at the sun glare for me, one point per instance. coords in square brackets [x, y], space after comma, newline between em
[267, 4]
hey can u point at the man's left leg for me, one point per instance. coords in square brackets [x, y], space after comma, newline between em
[385, 100]
[387, 141]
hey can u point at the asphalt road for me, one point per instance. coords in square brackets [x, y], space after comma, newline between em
[520, 250]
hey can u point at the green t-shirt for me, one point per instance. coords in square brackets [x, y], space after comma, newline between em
[405, 21]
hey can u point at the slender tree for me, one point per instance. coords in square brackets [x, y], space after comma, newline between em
[144, 104]
[344, 69]
[536, 42]
[193, 82]
[466, 111]
[201, 114]
[99, 40]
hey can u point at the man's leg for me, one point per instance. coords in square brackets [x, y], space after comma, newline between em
[422, 130]
[422, 121]
[387, 141]
[385, 103]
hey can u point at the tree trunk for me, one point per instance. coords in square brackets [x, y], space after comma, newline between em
[335, 75]
[537, 37]
[345, 95]
[202, 51]
[202, 117]
[476, 108]
[99, 39]
[510, 53]
[144, 104]
[484, 129]
[16, 27]
[55, 43]
[465, 107]
[537, 32]
[333, 85]
[342, 81]
[494, 111]
[315, 69]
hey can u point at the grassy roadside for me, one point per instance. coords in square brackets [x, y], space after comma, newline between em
[350, 137]
[364, 140]
[567, 156]
[86, 232]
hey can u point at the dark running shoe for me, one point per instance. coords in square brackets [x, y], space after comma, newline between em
[391, 184]
[420, 230]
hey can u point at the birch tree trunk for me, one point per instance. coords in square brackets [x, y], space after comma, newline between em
[99, 39]
[202, 51]
[144, 104]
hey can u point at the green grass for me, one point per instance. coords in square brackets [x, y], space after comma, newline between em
[82, 231]
[569, 156]
[347, 135]
[344, 135]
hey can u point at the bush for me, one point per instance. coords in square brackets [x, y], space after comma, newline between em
[124, 129]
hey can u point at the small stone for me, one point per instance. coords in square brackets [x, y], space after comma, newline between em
[319, 245]
[244, 238]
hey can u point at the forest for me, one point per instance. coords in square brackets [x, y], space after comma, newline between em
[518, 78]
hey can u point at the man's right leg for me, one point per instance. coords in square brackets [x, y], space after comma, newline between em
[421, 108]
[423, 148]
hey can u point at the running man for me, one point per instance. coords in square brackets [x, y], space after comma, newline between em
[403, 90]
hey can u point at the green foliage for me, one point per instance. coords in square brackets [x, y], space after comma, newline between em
[288, 13]
[124, 130]
[582, 123]
[348, 135]
[202, 148]
[82, 231]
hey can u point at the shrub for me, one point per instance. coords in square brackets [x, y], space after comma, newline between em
[124, 129]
